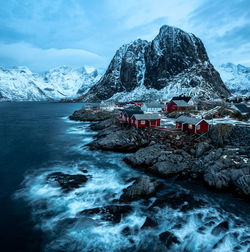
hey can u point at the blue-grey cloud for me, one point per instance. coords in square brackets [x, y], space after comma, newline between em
[101, 27]
[44, 59]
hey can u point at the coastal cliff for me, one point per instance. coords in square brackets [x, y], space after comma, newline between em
[219, 160]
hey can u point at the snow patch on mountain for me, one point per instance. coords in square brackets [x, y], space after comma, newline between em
[20, 84]
[173, 62]
[236, 78]
[178, 85]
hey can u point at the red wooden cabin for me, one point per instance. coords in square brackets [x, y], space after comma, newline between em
[194, 125]
[126, 115]
[146, 120]
[178, 105]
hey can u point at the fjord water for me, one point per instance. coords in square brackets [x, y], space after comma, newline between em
[37, 139]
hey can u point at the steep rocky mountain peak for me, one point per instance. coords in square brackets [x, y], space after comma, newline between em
[174, 62]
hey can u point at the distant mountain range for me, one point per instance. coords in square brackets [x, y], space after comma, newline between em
[174, 63]
[20, 84]
[236, 78]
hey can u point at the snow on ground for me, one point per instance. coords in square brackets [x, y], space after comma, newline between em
[168, 122]
[228, 120]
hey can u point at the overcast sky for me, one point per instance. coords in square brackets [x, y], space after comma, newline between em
[47, 33]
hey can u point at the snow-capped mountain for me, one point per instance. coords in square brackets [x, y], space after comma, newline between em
[20, 84]
[175, 62]
[236, 78]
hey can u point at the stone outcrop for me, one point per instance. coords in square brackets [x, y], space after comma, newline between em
[67, 182]
[119, 139]
[92, 115]
[111, 213]
[221, 160]
[143, 187]
[168, 238]
[159, 161]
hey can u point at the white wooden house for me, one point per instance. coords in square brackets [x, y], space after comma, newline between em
[153, 107]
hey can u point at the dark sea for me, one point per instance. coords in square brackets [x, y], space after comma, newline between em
[37, 139]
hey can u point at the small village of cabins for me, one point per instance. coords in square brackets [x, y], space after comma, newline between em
[148, 115]
[142, 114]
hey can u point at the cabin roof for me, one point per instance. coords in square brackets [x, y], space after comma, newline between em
[189, 120]
[180, 103]
[146, 116]
[132, 112]
[184, 98]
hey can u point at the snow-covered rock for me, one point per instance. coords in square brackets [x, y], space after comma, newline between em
[20, 84]
[236, 78]
[175, 62]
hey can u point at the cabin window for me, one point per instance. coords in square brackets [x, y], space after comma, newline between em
[142, 122]
[198, 127]
[190, 126]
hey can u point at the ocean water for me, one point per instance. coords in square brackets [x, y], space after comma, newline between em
[38, 139]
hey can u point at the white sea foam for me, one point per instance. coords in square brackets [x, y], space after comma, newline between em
[57, 212]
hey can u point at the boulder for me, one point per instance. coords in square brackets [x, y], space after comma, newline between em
[143, 187]
[145, 157]
[243, 184]
[92, 115]
[169, 239]
[220, 177]
[183, 201]
[157, 159]
[168, 167]
[67, 182]
[119, 139]
[111, 213]
[201, 148]
[219, 133]
[149, 223]
[102, 125]
[126, 231]
[220, 228]
[217, 178]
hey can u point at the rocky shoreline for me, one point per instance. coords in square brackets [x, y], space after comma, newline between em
[220, 160]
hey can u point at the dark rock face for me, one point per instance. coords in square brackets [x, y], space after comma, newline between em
[158, 160]
[220, 228]
[201, 148]
[228, 167]
[173, 56]
[67, 182]
[183, 201]
[118, 139]
[92, 115]
[143, 187]
[149, 223]
[111, 213]
[169, 239]
[102, 125]
[171, 52]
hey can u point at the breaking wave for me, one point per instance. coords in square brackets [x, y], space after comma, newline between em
[67, 226]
